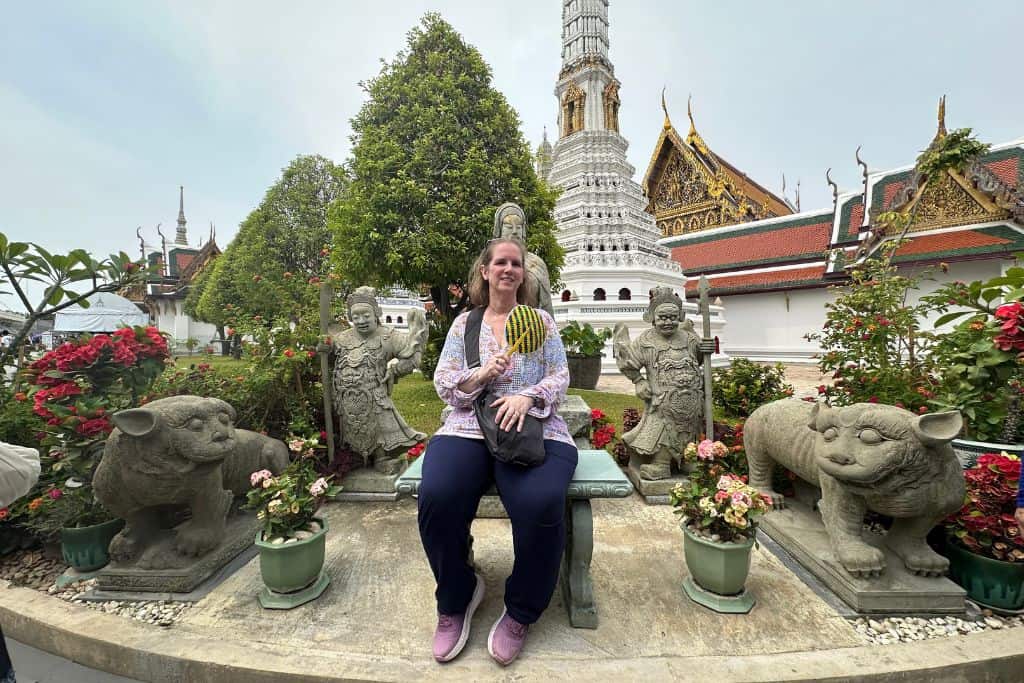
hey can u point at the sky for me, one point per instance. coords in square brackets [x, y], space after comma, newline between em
[109, 106]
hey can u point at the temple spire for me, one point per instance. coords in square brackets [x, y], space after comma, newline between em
[693, 137]
[584, 30]
[182, 235]
[664, 108]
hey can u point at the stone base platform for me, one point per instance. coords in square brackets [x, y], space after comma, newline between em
[799, 530]
[365, 484]
[376, 620]
[241, 529]
[653, 492]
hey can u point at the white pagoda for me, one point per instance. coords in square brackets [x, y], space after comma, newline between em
[612, 258]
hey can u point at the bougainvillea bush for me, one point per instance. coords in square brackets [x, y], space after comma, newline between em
[985, 525]
[74, 389]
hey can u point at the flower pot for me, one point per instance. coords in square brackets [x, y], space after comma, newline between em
[291, 572]
[584, 371]
[85, 548]
[988, 582]
[721, 568]
[967, 452]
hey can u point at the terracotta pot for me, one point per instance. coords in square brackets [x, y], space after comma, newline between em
[290, 567]
[721, 568]
[584, 371]
[85, 548]
[988, 582]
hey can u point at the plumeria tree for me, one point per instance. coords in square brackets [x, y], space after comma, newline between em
[67, 279]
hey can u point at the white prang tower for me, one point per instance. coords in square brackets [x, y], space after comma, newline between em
[612, 259]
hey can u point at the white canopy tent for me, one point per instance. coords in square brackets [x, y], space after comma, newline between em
[106, 313]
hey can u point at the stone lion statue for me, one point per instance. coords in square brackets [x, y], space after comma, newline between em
[174, 453]
[864, 457]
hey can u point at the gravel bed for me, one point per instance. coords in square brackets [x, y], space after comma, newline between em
[892, 630]
[33, 569]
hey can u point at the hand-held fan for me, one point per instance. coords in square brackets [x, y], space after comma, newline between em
[524, 330]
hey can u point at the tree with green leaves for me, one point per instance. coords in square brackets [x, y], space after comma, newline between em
[280, 247]
[436, 149]
[60, 275]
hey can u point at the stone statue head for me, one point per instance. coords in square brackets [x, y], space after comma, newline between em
[510, 221]
[363, 310]
[665, 311]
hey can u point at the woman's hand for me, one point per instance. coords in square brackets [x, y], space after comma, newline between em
[512, 411]
[493, 368]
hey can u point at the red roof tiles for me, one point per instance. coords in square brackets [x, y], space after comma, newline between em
[772, 245]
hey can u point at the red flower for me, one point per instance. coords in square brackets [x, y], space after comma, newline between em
[822, 388]
[95, 427]
[310, 354]
[4, 513]
[288, 353]
[596, 414]
[1011, 310]
[54, 494]
[323, 436]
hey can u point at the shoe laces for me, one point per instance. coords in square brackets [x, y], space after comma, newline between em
[518, 630]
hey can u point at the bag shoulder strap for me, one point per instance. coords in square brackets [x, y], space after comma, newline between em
[472, 337]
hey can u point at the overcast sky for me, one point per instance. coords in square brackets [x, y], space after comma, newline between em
[109, 106]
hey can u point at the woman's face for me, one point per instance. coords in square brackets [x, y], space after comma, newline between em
[505, 271]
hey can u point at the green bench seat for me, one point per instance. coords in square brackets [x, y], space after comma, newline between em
[596, 476]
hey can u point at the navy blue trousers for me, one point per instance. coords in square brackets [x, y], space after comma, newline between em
[456, 473]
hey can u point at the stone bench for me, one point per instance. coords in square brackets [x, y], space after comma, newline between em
[596, 476]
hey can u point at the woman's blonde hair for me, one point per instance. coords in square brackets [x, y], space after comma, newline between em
[479, 292]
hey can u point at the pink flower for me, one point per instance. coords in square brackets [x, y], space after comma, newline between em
[55, 493]
[706, 450]
[318, 487]
[725, 481]
[256, 477]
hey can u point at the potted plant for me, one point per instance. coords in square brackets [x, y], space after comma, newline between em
[979, 361]
[583, 349]
[292, 537]
[983, 542]
[718, 516]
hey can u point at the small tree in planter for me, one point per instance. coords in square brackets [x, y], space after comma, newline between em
[583, 349]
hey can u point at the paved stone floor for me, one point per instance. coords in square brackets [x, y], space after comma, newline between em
[804, 378]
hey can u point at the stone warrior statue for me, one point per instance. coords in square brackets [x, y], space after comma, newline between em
[510, 221]
[665, 365]
[368, 359]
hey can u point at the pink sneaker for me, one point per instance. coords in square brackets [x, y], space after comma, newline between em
[453, 629]
[506, 639]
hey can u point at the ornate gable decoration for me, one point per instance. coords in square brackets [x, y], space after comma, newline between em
[690, 189]
[947, 201]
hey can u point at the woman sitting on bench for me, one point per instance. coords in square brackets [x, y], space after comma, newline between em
[459, 469]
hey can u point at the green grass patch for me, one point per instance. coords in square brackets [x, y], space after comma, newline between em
[216, 361]
[417, 401]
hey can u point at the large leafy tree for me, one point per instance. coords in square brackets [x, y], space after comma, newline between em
[279, 248]
[436, 150]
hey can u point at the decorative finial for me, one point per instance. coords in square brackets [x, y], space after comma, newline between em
[689, 115]
[545, 134]
[864, 171]
[664, 108]
[783, 183]
[142, 242]
[835, 188]
[798, 195]
[163, 247]
[182, 236]
[941, 132]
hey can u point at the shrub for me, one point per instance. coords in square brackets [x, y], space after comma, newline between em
[437, 332]
[745, 385]
[871, 340]
[584, 339]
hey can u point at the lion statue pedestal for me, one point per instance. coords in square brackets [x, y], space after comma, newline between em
[864, 457]
[174, 470]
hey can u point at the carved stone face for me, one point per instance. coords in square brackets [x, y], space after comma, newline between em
[512, 226]
[666, 319]
[363, 319]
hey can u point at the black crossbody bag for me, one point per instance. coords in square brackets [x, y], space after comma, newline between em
[524, 447]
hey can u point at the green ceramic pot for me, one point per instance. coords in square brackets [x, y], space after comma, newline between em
[85, 548]
[988, 582]
[290, 567]
[717, 567]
